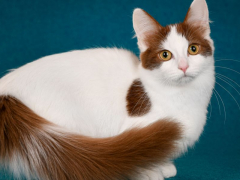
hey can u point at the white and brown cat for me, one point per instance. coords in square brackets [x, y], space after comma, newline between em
[101, 114]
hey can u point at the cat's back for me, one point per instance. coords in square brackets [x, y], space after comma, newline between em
[104, 64]
[69, 85]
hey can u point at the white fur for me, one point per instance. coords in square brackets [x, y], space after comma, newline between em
[151, 174]
[85, 91]
[168, 170]
[19, 167]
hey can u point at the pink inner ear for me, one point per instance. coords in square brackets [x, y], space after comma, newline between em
[144, 25]
[198, 13]
[196, 17]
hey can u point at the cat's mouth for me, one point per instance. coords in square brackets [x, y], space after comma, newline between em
[185, 78]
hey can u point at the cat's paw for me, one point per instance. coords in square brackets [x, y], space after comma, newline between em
[169, 170]
[153, 174]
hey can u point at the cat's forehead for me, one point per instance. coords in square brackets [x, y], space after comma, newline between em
[175, 42]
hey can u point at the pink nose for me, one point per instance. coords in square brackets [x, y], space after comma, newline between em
[183, 68]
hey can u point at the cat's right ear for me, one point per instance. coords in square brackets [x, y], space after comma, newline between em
[198, 15]
[144, 25]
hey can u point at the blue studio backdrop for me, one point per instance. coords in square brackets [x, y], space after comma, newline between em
[33, 29]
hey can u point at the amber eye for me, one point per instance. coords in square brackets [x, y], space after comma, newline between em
[193, 49]
[165, 55]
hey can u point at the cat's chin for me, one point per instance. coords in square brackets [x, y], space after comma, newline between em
[185, 79]
[180, 81]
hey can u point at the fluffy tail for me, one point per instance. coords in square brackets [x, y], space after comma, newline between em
[33, 146]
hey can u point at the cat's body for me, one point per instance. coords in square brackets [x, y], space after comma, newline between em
[89, 92]
[96, 84]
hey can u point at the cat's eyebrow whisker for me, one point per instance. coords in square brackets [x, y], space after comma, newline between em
[229, 94]
[228, 69]
[225, 114]
[228, 78]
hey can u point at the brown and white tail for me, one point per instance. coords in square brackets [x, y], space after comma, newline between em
[37, 148]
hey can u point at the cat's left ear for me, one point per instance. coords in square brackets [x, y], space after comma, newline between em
[198, 14]
[144, 26]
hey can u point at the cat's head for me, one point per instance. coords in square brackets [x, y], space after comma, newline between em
[179, 53]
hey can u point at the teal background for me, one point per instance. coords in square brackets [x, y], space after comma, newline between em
[33, 29]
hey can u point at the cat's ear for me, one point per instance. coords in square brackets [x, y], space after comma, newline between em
[144, 26]
[198, 14]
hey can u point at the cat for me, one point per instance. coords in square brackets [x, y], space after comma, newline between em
[101, 114]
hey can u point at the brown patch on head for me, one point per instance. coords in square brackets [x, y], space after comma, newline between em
[50, 153]
[150, 58]
[138, 102]
[195, 35]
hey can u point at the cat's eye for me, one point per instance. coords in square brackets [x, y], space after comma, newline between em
[193, 49]
[165, 55]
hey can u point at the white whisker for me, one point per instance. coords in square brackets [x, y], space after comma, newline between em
[228, 84]
[227, 60]
[228, 69]
[219, 107]
[210, 114]
[225, 114]
[142, 103]
[229, 94]
[148, 105]
[138, 102]
[228, 79]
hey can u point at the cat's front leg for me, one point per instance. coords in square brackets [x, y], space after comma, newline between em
[168, 170]
[151, 174]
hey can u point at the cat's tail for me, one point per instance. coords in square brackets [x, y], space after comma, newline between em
[32, 146]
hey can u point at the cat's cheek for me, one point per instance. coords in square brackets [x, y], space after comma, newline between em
[199, 63]
[169, 71]
[168, 66]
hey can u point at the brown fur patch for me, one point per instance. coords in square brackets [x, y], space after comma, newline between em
[49, 153]
[195, 35]
[138, 102]
[149, 58]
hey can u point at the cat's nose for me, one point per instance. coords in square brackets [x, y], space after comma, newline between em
[183, 68]
[183, 65]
